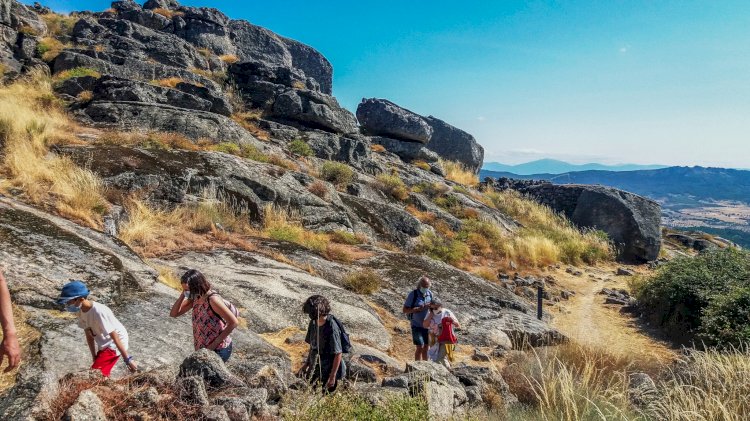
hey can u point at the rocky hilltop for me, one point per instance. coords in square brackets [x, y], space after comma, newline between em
[213, 143]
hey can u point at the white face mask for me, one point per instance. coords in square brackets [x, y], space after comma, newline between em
[186, 294]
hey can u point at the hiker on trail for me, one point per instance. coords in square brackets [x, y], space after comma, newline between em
[213, 320]
[105, 335]
[416, 308]
[328, 341]
[9, 347]
[441, 323]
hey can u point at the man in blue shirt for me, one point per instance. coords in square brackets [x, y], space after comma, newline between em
[416, 307]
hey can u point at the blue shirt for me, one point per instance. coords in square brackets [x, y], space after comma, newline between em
[418, 318]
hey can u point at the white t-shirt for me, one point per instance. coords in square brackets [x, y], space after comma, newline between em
[437, 318]
[102, 321]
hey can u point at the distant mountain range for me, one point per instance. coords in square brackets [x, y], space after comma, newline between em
[553, 166]
[671, 183]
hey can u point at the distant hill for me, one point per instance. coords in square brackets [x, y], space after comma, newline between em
[677, 184]
[553, 166]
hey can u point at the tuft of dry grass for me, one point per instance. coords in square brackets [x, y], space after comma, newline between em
[298, 84]
[458, 173]
[229, 58]
[168, 277]
[377, 148]
[392, 185]
[365, 281]
[169, 14]
[249, 121]
[85, 96]
[319, 189]
[282, 225]
[170, 82]
[421, 165]
[48, 48]
[58, 25]
[30, 121]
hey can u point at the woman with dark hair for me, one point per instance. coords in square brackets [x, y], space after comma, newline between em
[213, 321]
[324, 363]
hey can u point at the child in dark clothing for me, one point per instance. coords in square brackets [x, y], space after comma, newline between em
[324, 363]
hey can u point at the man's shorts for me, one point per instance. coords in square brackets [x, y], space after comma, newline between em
[420, 335]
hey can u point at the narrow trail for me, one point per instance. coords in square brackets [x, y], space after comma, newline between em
[586, 319]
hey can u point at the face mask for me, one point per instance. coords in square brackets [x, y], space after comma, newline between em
[186, 294]
[423, 290]
[73, 308]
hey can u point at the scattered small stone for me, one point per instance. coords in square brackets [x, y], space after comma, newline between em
[214, 413]
[400, 330]
[88, 407]
[624, 272]
[398, 381]
[148, 397]
[192, 390]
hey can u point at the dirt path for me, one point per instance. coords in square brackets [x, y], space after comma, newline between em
[586, 319]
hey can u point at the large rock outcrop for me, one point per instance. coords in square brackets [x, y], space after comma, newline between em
[384, 118]
[632, 222]
[20, 29]
[454, 144]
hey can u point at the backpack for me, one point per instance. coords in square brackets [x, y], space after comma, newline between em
[446, 334]
[227, 303]
[414, 301]
[346, 344]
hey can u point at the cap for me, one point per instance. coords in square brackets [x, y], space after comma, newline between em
[71, 290]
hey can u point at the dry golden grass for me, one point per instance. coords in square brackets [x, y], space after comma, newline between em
[392, 185]
[229, 58]
[49, 48]
[298, 84]
[319, 189]
[377, 148]
[30, 121]
[59, 25]
[154, 232]
[170, 82]
[168, 277]
[421, 165]
[249, 121]
[169, 14]
[85, 96]
[282, 225]
[26, 336]
[153, 140]
[297, 350]
[459, 174]
[365, 281]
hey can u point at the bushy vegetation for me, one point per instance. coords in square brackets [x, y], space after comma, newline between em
[60, 26]
[458, 173]
[76, 72]
[365, 281]
[350, 407]
[441, 248]
[337, 173]
[392, 185]
[704, 298]
[577, 382]
[48, 48]
[30, 121]
[282, 225]
[300, 147]
[346, 237]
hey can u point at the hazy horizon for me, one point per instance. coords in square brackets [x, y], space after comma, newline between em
[637, 82]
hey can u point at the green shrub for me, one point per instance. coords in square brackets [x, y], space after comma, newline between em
[347, 406]
[440, 248]
[77, 72]
[299, 147]
[702, 298]
[363, 282]
[336, 173]
[431, 189]
[245, 151]
[392, 185]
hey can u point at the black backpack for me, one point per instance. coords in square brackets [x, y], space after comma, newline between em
[346, 344]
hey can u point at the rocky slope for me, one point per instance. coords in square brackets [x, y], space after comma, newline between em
[258, 128]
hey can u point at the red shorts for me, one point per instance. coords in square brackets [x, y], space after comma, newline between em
[105, 360]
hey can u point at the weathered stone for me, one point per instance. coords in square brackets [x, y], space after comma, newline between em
[624, 272]
[148, 397]
[269, 373]
[384, 118]
[632, 222]
[192, 390]
[398, 381]
[313, 109]
[141, 116]
[312, 63]
[480, 355]
[214, 413]
[455, 144]
[208, 366]
[353, 150]
[389, 221]
[88, 407]
[113, 89]
[253, 400]
[408, 151]
[358, 371]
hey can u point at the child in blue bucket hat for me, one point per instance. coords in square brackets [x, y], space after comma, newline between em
[105, 335]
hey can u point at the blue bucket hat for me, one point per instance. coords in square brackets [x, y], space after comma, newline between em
[71, 290]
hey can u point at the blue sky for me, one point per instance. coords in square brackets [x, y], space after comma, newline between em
[610, 81]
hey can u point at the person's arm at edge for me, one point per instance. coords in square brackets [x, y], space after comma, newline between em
[132, 366]
[181, 306]
[223, 312]
[9, 345]
[90, 342]
[334, 370]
